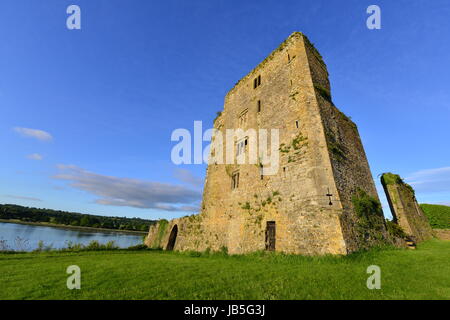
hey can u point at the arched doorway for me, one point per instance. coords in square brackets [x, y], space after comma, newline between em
[172, 238]
[270, 236]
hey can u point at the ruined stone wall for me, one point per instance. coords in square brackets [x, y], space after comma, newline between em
[405, 209]
[189, 235]
[349, 163]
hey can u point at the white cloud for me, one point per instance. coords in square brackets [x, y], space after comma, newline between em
[187, 176]
[129, 192]
[34, 133]
[23, 197]
[35, 156]
[430, 180]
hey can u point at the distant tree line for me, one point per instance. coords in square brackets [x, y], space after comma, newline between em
[11, 211]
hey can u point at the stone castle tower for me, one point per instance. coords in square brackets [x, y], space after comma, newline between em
[308, 205]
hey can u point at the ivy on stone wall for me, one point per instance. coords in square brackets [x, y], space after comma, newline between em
[395, 230]
[162, 226]
[370, 224]
[324, 93]
[335, 148]
[389, 178]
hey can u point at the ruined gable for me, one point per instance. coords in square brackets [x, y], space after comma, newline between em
[405, 209]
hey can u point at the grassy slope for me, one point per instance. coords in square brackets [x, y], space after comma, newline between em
[420, 274]
[439, 216]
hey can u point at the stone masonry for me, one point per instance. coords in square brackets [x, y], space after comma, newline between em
[405, 209]
[308, 206]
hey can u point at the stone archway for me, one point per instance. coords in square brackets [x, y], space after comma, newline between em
[172, 238]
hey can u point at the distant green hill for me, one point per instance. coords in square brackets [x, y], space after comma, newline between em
[37, 215]
[438, 215]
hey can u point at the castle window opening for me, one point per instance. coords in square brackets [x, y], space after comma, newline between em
[257, 82]
[243, 119]
[235, 180]
[241, 146]
[296, 124]
[258, 106]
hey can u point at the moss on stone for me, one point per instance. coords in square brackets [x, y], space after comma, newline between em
[299, 141]
[365, 205]
[395, 230]
[315, 51]
[283, 148]
[162, 227]
[335, 148]
[324, 93]
[389, 178]
[246, 206]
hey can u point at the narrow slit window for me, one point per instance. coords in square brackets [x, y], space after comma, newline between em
[258, 106]
[235, 180]
[257, 82]
[297, 124]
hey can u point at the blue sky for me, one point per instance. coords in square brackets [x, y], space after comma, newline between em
[110, 95]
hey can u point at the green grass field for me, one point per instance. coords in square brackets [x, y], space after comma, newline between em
[438, 215]
[405, 274]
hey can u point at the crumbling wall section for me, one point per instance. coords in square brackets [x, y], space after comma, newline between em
[405, 209]
[361, 227]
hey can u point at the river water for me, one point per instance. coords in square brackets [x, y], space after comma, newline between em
[24, 237]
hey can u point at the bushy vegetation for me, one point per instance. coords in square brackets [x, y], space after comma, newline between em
[438, 215]
[94, 245]
[366, 206]
[395, 230]
[323, 92]
[163, 224]
[391, 178]
[370, 224]
[22, 246]
[150, 274]
[11, 212]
